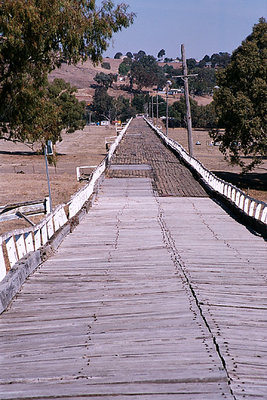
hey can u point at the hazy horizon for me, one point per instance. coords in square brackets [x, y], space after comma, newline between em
[204, 26]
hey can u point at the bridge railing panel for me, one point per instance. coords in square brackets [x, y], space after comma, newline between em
[15, 245]
[251, 207]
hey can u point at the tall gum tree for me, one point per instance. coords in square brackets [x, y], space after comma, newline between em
[241, 101]
[36, 36]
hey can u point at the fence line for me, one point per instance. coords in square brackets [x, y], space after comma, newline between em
[15, 245]
[249, 206]
[24, 209]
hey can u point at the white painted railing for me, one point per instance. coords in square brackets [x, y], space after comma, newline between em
[88, 167]
[15, 245]
[249, 206]
[22, 241]
[24, 209]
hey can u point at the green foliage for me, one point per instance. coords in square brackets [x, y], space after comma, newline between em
[36, 36]
[241, 101]
[168, 69]
[129, 54]
[102, 104]
[145, 72]
[108, 108]
[191, 63]
[123, 109]
[139, 55]
[206, 117]
[139, 102]
[105, 80]
[178, 111]
[161, 106]
[203, 83]
[42, 33]
[106, 65]
[125, 66]
[118, 55]
[220, 60]
[69, 108]
[166, 59]
[40, 114]
[206, 80]
[161, 54]
[202, 116]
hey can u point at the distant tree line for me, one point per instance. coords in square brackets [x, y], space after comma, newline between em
[106, 107]
[144, 70]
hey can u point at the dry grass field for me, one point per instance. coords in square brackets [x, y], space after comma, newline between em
[23, 173]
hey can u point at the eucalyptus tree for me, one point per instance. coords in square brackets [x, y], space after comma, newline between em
[241, 101]
[37, 36]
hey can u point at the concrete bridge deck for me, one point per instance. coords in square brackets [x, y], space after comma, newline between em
[157, 294]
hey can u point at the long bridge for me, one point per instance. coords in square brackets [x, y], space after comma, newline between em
[157, 294]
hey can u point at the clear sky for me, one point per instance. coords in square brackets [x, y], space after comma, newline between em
[204, 26]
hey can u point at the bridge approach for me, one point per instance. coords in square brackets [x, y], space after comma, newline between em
[157, 294]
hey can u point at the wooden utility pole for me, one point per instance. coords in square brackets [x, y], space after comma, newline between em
[157, 108]
[167, 111]
[167, 106]
[188, 109]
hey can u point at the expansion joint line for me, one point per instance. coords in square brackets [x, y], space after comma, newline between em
[179, 264]
[119, 215]
[118, 224]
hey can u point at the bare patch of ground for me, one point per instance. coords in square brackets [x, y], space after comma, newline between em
[82, 75]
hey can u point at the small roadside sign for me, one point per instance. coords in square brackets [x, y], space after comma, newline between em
[49, 148]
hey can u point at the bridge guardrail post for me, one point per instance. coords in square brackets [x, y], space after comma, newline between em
[2, 261]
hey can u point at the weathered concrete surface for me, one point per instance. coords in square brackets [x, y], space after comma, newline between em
[149, 298]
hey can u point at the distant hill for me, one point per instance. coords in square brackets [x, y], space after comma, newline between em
[82, 76]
